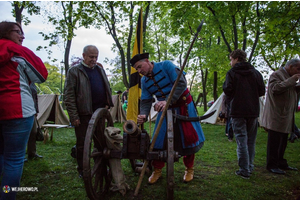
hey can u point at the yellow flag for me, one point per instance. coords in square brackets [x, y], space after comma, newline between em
[134, 94]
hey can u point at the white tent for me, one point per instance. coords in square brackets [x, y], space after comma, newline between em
[51, 110]
[214, 119]
[117, 113]
[217, 105]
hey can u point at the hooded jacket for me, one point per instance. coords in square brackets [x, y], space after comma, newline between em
[19, 67]
[244, 85]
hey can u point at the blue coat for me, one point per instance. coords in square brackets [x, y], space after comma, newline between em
[164, 76]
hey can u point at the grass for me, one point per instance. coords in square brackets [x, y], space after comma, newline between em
[56, 177]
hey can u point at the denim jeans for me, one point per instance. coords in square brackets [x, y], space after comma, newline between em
[229, 130]
[245, 131]
[14, 136]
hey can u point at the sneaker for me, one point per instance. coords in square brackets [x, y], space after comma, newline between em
[230, 140]
[244, 176]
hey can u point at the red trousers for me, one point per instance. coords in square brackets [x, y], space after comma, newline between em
[187, 160]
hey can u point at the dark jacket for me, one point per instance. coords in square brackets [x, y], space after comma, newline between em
[78, 96]
[34, 96]
[244, 85]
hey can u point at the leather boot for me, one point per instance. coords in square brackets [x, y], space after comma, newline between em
[188, 174]
[156, 174]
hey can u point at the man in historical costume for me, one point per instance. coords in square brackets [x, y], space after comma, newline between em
[278, 117]
[243, 86]
[86, 89]
[158, 80]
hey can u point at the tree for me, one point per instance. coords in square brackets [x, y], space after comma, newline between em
[19, 6]
[118, 19]
[116, 79]
[184, 21]
[66, 20]
[268, 30]
[281, 39]
[52, 85]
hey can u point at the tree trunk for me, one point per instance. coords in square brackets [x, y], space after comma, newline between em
[146, 17]
[200, 95]
[204, 79]
[215, 85]
[67, 54]
[128, 50]
[18, 12]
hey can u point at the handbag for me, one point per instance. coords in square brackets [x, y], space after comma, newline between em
[39, 133]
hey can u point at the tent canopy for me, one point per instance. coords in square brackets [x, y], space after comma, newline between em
[214, 119]
[117, 113]
[51, 110]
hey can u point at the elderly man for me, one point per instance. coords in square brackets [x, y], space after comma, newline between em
[278, 116]
[86, 89]
[158, 80]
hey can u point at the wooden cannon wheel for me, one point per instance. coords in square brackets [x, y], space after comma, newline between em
[96, 172]
[170, 157]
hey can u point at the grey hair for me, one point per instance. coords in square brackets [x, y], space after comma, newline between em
[85, 49]
[292, 62]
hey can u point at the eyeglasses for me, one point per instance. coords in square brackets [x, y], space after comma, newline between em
[19, 32]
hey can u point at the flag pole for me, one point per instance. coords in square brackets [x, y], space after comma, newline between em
[165, 110]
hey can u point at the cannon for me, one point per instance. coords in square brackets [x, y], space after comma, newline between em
[96, 171]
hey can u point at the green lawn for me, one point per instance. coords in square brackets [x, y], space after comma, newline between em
[56, 177]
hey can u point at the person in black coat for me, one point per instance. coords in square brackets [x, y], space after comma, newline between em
[243, 86]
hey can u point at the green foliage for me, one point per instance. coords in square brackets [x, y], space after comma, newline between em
[53, 82]
[66, 17]
[32, 7]
[281, 38]
[56, 176]
[268, 31]
[117, 19]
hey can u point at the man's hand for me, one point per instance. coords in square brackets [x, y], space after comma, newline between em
[160, 106]
[141, 119]
[296, 76]
[76, 123]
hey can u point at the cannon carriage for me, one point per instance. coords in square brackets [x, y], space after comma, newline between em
[97, 174]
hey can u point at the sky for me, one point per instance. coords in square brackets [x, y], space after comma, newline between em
[83, 37]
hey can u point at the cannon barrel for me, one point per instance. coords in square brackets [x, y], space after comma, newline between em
[131, 128]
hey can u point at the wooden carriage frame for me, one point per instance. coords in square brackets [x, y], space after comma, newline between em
[96, 171]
